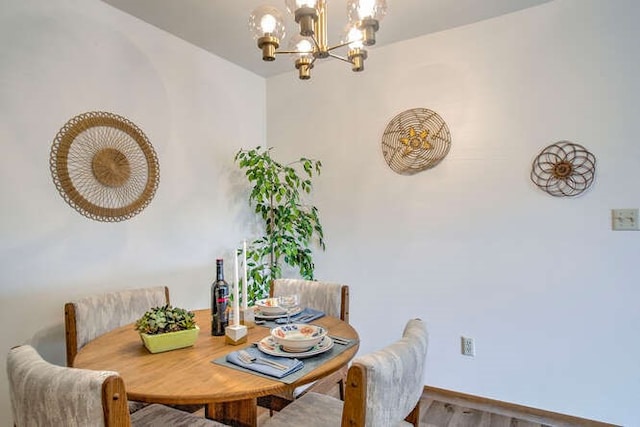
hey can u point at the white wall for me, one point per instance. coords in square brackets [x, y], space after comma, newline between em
[60, 58]
[543, 285]
[546, 289]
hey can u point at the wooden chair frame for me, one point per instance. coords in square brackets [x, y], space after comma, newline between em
[114, 402]
[354, 410]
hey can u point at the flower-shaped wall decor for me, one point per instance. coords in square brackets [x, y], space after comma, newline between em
[564, 169]
[415, 140]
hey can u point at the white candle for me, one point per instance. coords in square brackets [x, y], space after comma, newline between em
[245, 295]
[236, 296]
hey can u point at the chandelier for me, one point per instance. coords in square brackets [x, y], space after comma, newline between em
[267, 26]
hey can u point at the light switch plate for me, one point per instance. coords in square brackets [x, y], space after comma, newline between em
[624, 219]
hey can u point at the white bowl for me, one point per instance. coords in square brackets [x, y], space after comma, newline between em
[269, 306]
[298, 337]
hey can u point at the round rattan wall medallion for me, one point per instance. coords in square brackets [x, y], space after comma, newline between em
[564, 169]
[415, 140]
[104, 166]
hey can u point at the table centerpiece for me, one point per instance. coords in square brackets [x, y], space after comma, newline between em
[167, 328]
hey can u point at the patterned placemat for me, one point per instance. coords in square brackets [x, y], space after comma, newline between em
[310, 363]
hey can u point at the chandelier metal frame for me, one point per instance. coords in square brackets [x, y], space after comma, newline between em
[312, 19]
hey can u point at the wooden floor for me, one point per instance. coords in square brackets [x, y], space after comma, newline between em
[437, 413]
[440, 408]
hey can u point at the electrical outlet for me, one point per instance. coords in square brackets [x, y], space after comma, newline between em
[468, 347]
[624, 219]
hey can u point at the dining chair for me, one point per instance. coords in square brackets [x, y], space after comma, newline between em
[333, 300]
[87, 318]
[43, 394]
[383, 389]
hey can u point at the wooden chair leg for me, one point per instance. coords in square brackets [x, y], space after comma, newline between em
[341, 389]
[414, 415]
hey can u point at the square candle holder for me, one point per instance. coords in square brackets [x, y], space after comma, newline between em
[235, 334]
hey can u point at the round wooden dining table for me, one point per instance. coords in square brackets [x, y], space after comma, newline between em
[187, 376]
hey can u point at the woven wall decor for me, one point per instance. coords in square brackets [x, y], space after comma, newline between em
[564, 169]
[104, 166]
[415, 140]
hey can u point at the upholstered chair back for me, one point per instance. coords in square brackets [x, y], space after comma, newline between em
[332, 298]
[393, 380]
[43, 394]
[90, 317]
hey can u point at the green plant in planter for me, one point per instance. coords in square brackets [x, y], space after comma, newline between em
[160, 320]
[290, 225]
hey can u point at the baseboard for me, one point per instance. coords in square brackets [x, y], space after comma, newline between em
[512, 409]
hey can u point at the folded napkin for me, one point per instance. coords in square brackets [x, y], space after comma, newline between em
[305, 316]
[293, 365]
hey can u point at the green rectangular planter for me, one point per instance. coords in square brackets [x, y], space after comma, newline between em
[170, 340]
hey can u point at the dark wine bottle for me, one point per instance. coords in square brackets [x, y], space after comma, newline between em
[219, 301]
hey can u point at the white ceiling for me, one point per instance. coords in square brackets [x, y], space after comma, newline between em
[220, 26]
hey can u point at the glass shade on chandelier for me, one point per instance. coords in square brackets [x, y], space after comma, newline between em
[267, 25]
[357, 53]
[303, 46]
[366, 16]
[310, 43]
[305, 14]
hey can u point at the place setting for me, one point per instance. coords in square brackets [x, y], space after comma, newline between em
[254, 360]
[272, 309]
[293, 347]
[296, 340]
[285, 309]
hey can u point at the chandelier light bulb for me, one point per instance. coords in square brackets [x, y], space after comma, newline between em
[366, 8]
[302, 46]
[266, 21]
[293, 5]
[353, 36]
[268, 24]
[360, 10]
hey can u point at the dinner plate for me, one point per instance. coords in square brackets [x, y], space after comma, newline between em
[269, 346]
[262, 315]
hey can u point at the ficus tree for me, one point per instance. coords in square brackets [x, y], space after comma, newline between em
[290, 225]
